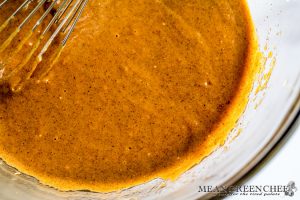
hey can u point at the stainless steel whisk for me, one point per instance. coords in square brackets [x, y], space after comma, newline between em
[65, 18]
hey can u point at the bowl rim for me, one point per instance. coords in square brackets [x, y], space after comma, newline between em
[284, 128]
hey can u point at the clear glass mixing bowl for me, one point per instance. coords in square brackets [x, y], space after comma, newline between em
[266, 118]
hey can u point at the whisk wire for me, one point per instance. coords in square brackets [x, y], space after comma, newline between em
[41, 19]
[25, 3]
[17, 30]
[2, 3]
[32, 13]
[55, 17]
[58, 29]
[81, 8]
[63, 10]
[66, 17]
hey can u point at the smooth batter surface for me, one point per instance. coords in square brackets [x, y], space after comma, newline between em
[143, 89]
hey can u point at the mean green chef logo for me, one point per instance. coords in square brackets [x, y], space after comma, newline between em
[251, 190]
[291, 189]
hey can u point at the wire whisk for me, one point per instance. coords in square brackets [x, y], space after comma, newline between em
[51, 21]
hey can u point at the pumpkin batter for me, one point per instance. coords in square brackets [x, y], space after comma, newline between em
[143, 89]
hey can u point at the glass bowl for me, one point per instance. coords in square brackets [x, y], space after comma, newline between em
[267, 116]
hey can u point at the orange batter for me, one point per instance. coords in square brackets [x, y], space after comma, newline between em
[143, 89]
